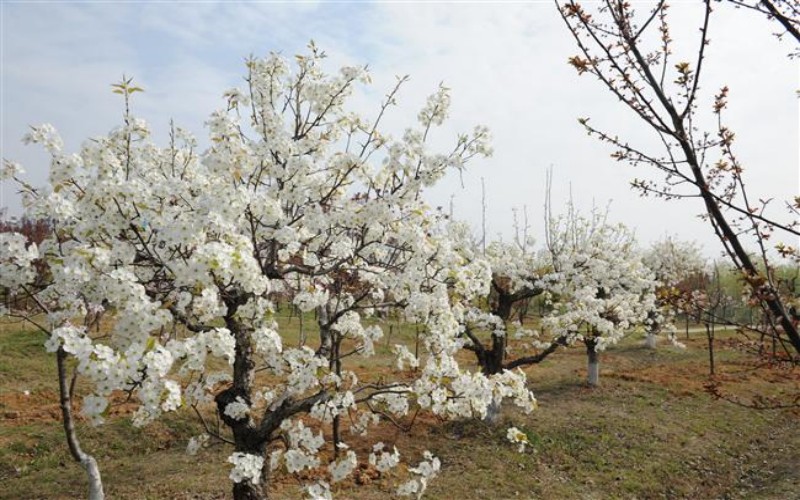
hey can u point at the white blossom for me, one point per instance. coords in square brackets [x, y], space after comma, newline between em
[93, 408]
[246, 467]
[426, 470]
[340, 469]
[383, 460]
[404, 356]
[319, 491]
[196, 443]
[237, 409]
[517, 437]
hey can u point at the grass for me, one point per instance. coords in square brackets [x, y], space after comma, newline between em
[649, 431]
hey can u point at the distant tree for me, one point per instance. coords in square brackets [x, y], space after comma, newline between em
[598, 287]
[707, 302]
[673, 263]
[33, 232]
[591, 276]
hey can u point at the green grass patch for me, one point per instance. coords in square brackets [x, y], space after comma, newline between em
[649, 431]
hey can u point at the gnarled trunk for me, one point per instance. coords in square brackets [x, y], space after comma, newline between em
[491, 360]
[247, 437]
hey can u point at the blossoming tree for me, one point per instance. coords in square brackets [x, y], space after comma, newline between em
[296, 198]
[514, 270]
[592, 277]
[672, 262]
[598, 286]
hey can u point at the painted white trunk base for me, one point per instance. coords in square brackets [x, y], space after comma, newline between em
[650, 341]
[492, 413]
[594, 373]
[95, 482]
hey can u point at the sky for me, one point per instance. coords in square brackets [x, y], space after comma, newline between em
[506, 63]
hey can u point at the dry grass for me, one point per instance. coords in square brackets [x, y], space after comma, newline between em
[649, 431]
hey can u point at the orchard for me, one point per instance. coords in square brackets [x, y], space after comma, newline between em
[287, 302]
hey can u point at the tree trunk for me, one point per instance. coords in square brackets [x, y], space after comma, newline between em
[650, 341]
[492, 413]
[87, 461]
[494, 357]
[246, 490]
[491, 360]
[325, 333]
[593, 377]
[710, 336]
[336, 367]
[246, 440]
[301, 341]
[246, 436]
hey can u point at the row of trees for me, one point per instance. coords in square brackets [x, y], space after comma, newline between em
[296, 200]
[593, 284]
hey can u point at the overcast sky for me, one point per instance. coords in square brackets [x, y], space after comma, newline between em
[505, 63]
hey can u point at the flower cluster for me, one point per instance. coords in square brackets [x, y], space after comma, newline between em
[246, 467]
[16, 259]
[383, 460]
[196, 443]
[517, 437]
[344, 467]
[425, 471]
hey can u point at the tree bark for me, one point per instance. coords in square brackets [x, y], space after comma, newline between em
[325, 333]
[650, 341]
[710, 336]
[246, 490]
[247, 437]
[491, 360]
[785, 20]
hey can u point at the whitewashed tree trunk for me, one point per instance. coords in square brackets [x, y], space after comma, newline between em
[87, 461]
[594, 372]
[95, 481]
[492, 413]
[593, 369]
[650, 341]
